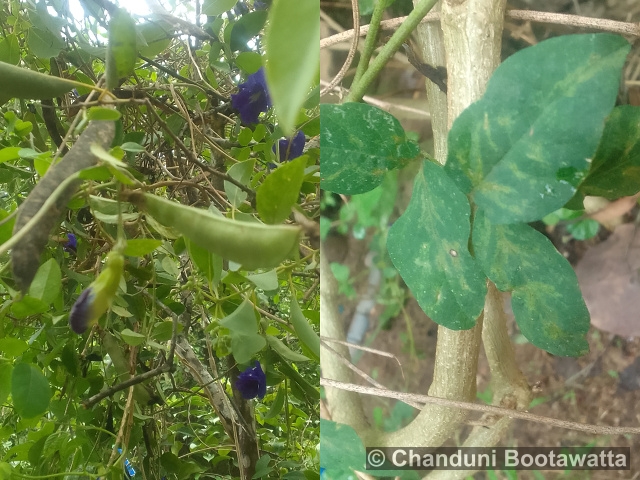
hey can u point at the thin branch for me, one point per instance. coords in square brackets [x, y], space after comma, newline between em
[505, 412]
[352, 50]
[164, 368]
[613, 26]
[205, 167]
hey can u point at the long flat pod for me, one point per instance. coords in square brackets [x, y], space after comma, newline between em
[253, 245]
[25, 257]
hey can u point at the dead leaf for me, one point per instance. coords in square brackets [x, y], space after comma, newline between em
[610, 284]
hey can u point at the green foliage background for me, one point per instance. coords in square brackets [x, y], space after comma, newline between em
[178, 138]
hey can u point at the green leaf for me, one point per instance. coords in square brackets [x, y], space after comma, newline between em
[13, 347]
[584, 229]
[6, 227]
[280, 191]
[209, 264]
[615, 169]
[521, 151]
[284, 351]
[6, 369]
[360, 144]
[16, 82]
[545, 296]
[310, 391]
[244, 346]
[9, 153]
[262, 466]
[10, 50]
[303, 328]
[292, 56]
[242, 320]
[132, 338]
[30, 390]
[47, 283]
[121, 50]
[428, 245]
[132, 147]
[162, 331]
[43, 43]
[28, 306]
[241, 172]
[342, 448]
[243, 328]
[217, 7]
[247, 27]
[276, 406]
[249, 62]
[157, 37]
[267, 281]
[102, 113]
[139, 247]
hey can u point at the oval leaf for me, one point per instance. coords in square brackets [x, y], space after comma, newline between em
[292, 57]
[280, 191]
[47, 283]
[360, 144]
[132, 338]
[30, 390]
[303, 328]
[545, 296]
[522, 150]
[428, 245]
[284, 351]
[140, 247]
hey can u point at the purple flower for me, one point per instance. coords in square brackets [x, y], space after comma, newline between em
[252, 98]
[291, 148]
[252, 382]
[71, 245]
[80, 315]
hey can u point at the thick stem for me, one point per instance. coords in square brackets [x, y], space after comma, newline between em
[344, 407]
[473, 38]
[431, 48]
[472, 33]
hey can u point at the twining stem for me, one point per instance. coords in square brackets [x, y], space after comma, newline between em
[370, 41]
[393, 45]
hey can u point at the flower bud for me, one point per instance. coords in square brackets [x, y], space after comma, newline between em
[96, 299]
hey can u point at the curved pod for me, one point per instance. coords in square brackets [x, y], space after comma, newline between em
[253, 245]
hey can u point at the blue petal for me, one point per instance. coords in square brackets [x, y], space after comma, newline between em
[71, 244]
[81, 312]
[291, 148]
[252, 98]
[252, 382]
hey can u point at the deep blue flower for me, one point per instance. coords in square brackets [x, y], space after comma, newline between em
[252, 382]
[252, 98]
[291, 148]
[71, 245]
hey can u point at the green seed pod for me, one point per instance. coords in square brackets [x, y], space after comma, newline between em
[253, 245]
[25, 257]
